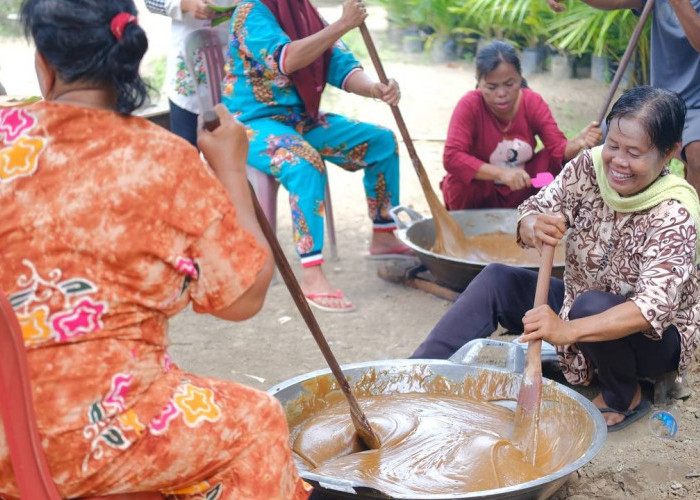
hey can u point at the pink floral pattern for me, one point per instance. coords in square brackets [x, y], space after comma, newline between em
[115, 399]
[186, 266]
[85, 318]
[15, 122]
[160, 424]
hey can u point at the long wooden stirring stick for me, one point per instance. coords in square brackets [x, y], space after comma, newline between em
[527, 413]
[625, 59]
[450, 239]
[359, 420]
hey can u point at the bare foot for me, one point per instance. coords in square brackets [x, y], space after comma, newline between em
[384, 242]
[316, 287]
[614, 418]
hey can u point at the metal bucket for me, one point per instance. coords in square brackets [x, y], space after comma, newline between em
[419, 234]
[290, 392]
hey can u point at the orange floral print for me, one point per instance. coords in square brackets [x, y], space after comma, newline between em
[110, 240]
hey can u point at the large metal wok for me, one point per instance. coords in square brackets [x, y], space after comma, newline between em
[388, 380]
[419, 234]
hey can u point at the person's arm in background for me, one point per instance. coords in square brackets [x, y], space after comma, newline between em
[689, 19]
[360, 83]
[553, 138]
[226, 151]
[458, 159]
[176, 8]
[589, 137]
[301, 53]
[557, 6]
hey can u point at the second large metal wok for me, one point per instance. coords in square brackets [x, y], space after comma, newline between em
[396, 376]
[419, 234]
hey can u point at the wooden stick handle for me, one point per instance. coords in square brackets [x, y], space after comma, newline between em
[534, 349]
[305, 310]
[625, 59]
[544, 275]
[379, 68]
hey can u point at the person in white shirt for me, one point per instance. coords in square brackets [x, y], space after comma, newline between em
[187, 16]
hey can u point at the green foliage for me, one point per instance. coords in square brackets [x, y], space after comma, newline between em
[154, 76]
[577, 30]
[9, 27]
[398, 12]
[582, 29]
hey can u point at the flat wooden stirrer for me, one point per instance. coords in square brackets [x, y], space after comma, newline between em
[449, 238]
[527, 413]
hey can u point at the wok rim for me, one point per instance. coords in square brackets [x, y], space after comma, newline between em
[598, 441]
[402, 234]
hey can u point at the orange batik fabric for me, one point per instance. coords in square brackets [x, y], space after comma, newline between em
[110, 225]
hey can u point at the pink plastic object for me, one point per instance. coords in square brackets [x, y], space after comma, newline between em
[209, 44]
[542, 179]
[19, 420]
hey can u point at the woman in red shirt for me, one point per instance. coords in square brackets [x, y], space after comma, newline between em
[490, 149]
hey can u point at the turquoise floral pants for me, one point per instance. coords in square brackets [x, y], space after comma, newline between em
[293, 148]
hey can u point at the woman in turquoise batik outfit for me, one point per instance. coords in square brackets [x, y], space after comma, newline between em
[281, 55]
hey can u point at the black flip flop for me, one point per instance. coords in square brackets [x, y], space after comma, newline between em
[632, 415]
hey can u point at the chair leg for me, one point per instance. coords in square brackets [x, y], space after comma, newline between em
[330, 224]
[265, 187]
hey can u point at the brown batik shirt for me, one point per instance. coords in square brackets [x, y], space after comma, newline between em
[646, 256]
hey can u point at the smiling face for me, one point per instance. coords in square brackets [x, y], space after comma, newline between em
[630, 161]
[500, 89]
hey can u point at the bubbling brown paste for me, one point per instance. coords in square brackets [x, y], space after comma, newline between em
[502, 247]
[438, 436]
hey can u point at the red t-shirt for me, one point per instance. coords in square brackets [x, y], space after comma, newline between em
[475, 137]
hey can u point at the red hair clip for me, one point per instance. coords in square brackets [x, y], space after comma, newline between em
[119, 22]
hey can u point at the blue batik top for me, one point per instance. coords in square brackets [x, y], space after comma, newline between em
[256, 85]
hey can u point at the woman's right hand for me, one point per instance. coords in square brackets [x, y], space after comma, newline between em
[549, 229]
[354, 14]
[514, 178]
[226, 147]
[198, 8]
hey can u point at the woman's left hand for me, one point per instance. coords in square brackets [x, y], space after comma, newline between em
[390, 93]
[543, 323]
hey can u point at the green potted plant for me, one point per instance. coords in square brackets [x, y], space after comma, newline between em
[478, 21]
[605, 34]
[440, 18]
[399, 22]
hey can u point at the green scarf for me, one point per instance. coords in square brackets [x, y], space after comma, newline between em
[665, 187]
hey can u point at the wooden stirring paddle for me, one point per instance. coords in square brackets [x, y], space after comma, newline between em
[625, 59]
[527, 413]
[359, 420]
[449, 239]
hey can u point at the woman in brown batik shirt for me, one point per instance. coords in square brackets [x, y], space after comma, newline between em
[628, 306]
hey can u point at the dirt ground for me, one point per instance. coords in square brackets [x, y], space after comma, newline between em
[391, 320]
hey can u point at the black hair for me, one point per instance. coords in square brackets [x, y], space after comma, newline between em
[661, 112]
[490, 56]
[76, 39]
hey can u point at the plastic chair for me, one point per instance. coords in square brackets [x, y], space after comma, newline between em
[19, 419]
[210, 43]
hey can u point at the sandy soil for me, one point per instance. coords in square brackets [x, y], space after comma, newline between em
[391, 320]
